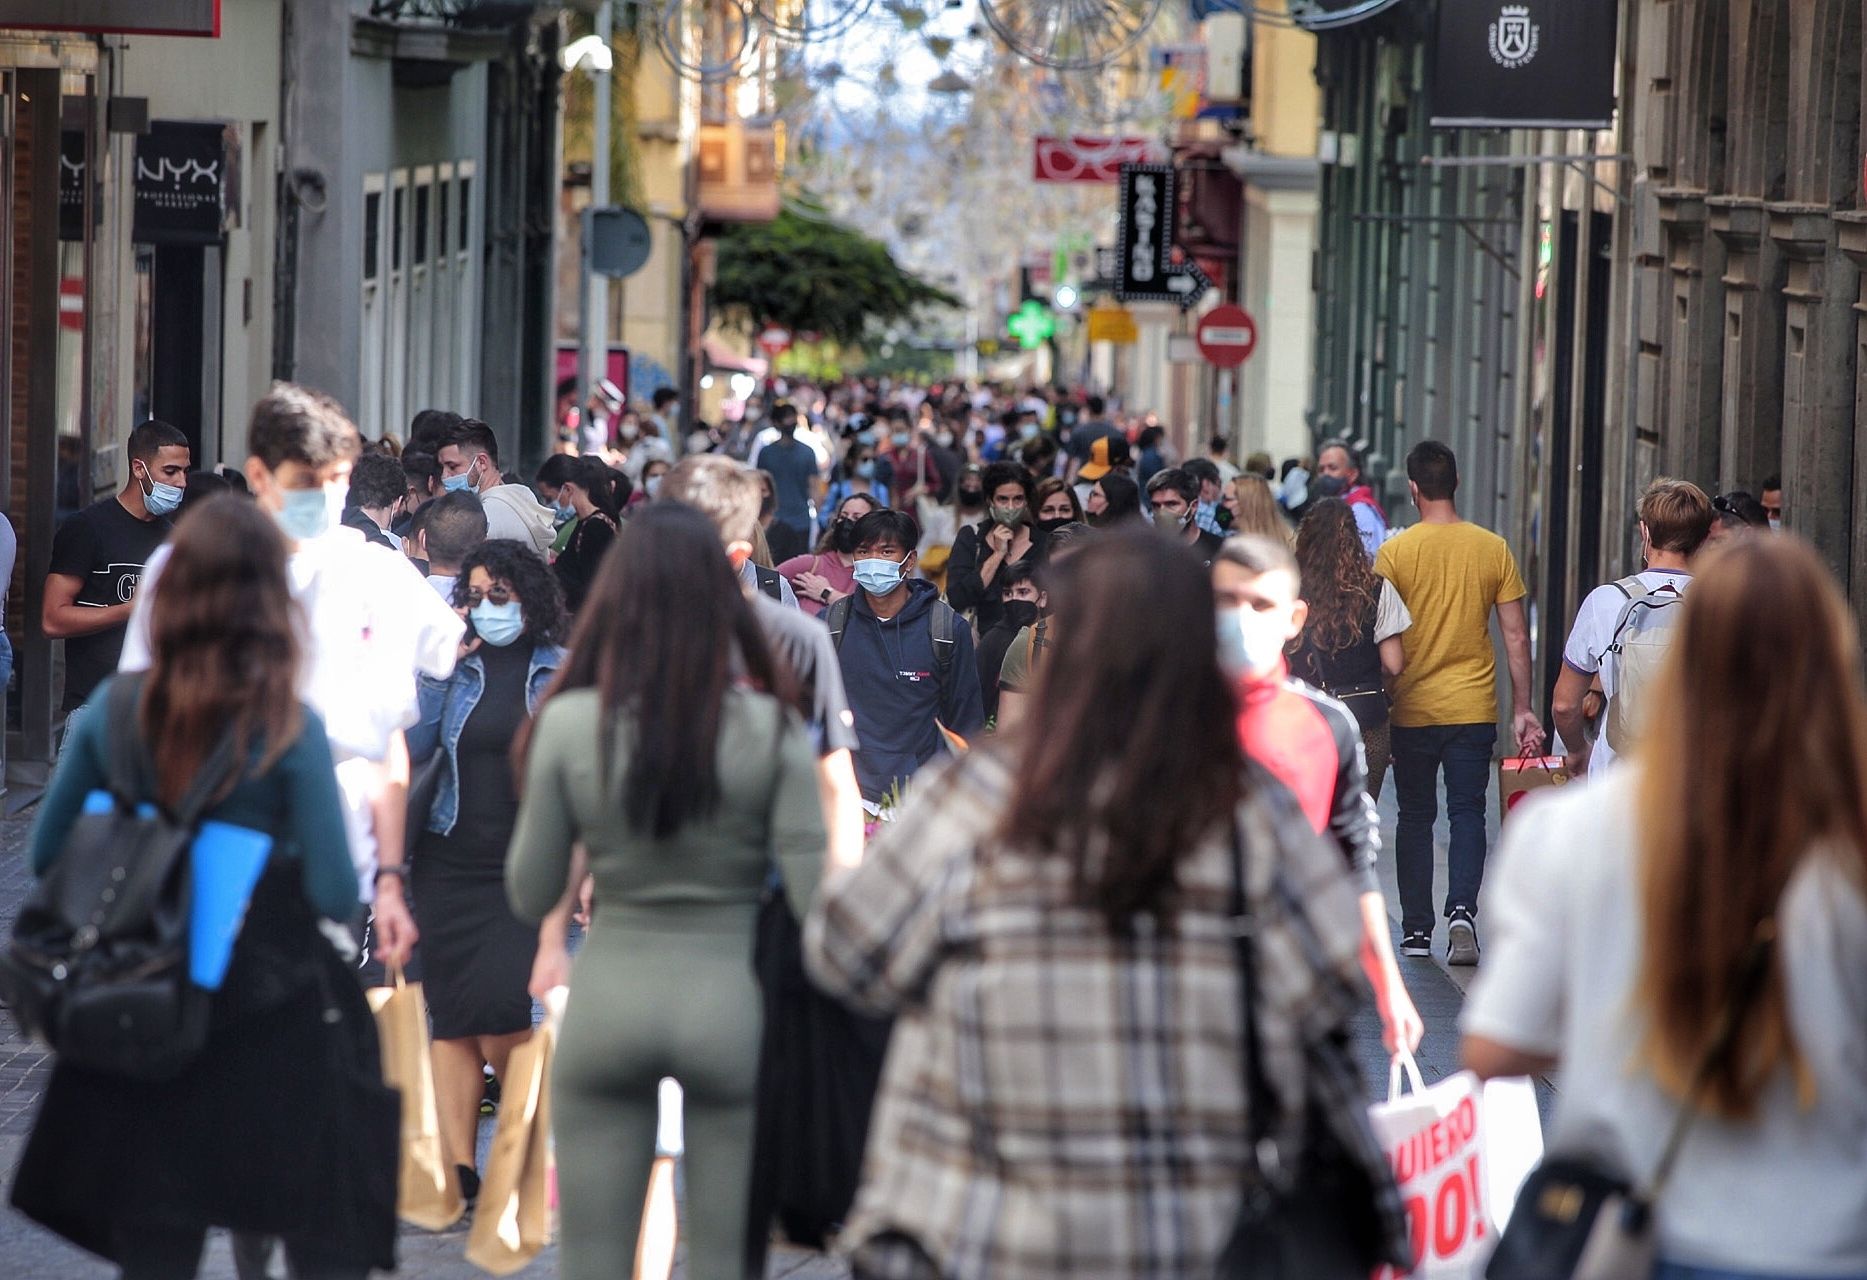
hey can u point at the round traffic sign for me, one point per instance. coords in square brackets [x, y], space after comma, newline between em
[774, 341]
[1227, 336]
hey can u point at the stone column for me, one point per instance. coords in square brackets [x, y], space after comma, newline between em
[1751, 443]
[1694, 355]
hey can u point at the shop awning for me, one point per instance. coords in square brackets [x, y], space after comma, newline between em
[1331, 15]
[721, 356]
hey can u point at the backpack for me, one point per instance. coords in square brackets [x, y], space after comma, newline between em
[945, 624]
[98, 963]
[770, 582]
[1643, 634]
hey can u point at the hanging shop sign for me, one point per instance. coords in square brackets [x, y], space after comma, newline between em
[1545, 64]
[181, 169]
[1113, 324]
[1086, 159]
[114, 17]
[72, 167]
[1144, 239]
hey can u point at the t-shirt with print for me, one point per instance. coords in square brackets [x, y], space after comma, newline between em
[105, 547]
[1450, 576]
[1593, 632]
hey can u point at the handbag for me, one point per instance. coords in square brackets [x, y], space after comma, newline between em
[512, 1220]
[1576, 1219]
[98, 966]
[427, 1194]
[1317, 1221]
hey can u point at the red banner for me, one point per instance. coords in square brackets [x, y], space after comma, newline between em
[1087, 159]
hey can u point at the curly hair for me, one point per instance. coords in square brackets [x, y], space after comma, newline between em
[540, 598]
[1338, 581]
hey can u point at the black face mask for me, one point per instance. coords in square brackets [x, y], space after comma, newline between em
[1021, 613]
[1328, 486]
[972, 499]
[1051, 526]
[842, 535]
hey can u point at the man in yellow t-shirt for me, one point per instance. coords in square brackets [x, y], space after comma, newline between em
[1451, 574]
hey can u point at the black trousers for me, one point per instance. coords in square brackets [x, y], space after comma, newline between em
[174, 1253]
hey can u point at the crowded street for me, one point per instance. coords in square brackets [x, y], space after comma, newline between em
[933, 639]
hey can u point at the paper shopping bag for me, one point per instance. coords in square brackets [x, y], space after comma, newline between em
[512, 1221]
[1518, 776]
[426, 1193]
[1460, 1152]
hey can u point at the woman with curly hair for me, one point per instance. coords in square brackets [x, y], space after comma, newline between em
[1253, 508]
[1350, 647]
[477, 956]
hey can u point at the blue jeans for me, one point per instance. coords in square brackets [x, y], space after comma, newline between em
[1464, 752]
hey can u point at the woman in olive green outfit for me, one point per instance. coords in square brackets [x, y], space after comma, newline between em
[685, 784]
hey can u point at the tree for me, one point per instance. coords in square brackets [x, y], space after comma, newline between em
[808, 273]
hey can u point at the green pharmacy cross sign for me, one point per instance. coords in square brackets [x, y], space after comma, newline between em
[1031, 324]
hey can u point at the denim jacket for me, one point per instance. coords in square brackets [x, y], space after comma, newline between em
[445, 706]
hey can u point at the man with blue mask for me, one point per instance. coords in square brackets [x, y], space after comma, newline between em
[370, 627]
[907, 658]
[469, 460]
[1307, 741]
[98, 557]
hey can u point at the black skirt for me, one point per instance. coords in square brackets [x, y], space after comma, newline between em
[476, 956]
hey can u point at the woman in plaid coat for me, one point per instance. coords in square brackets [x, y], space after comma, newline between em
[1051, 919]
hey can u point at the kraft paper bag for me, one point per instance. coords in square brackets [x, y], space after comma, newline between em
[426, 1193]
[1518, 776]
[513, 1219]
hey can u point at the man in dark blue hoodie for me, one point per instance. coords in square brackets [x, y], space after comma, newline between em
[907, 658]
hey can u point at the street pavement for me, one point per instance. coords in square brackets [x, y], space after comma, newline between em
[32, 1253]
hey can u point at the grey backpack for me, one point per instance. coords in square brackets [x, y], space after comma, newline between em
[1643, 635]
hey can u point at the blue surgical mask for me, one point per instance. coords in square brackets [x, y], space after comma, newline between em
[498, 624]
[878, 576]
[1247, 646]
[457, 484]
[866, 469]
[305, 515]
[160, 499]
[564, 514]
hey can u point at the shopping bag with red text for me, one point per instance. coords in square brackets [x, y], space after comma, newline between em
[1460, 1151]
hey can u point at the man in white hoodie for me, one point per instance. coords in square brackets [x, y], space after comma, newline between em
[470, 461]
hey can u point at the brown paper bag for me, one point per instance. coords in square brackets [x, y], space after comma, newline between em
[1519, 776]
[512, 1221]
[426, 1193]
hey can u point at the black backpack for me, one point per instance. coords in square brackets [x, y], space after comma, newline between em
[944, 625]
[98, 964]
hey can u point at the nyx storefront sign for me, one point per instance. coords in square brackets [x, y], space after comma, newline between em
[180, 171]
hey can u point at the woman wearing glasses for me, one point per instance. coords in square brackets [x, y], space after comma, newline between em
[477, 956]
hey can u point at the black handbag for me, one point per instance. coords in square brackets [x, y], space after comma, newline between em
[819, 1067]
[1317, 1221]
[1577, 1219]
[98, 963]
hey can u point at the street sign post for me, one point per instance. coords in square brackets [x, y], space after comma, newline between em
[774, 340]
[1227, 336]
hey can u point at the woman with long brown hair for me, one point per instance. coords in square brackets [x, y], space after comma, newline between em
[1253, 508]
[1718, 875]
[1350, 647]
[260, 1133]
[1052, 916]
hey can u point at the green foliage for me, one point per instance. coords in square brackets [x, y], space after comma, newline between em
[811, 274]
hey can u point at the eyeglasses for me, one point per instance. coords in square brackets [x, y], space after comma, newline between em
[497, 595]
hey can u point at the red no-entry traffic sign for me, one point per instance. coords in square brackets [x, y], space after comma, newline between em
[1227, 336]
[774, 340]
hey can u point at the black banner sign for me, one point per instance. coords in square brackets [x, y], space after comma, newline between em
[179, 170]
[71, 171]
[145, 17]
[1525, 63]
[1144, 240]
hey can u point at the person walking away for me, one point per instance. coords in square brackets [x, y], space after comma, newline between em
[1624, 629]
[1338, 472]
[793, 469]
[1174, 497]
[98, 557]
[1451, 575]
[983, 550]
[661, 751]
[281, 1126]
[477, 956]
[369, 629]
[377, 491]
[470, 462]
[1023, 605]
[450, 528]
[1251, 507]
[1308, 741]
[907, 659]
[589, 493]
[1093, 854]
[1350, 646]
[1715, 875]
[829, 574]
[1219, 453]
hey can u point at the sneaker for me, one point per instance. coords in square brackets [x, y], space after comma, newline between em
[469, 1180]
[1418, 946]
[489, 1093]
[1462, 939]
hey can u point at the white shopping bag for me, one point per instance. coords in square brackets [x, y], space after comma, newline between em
[1460, 1152]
